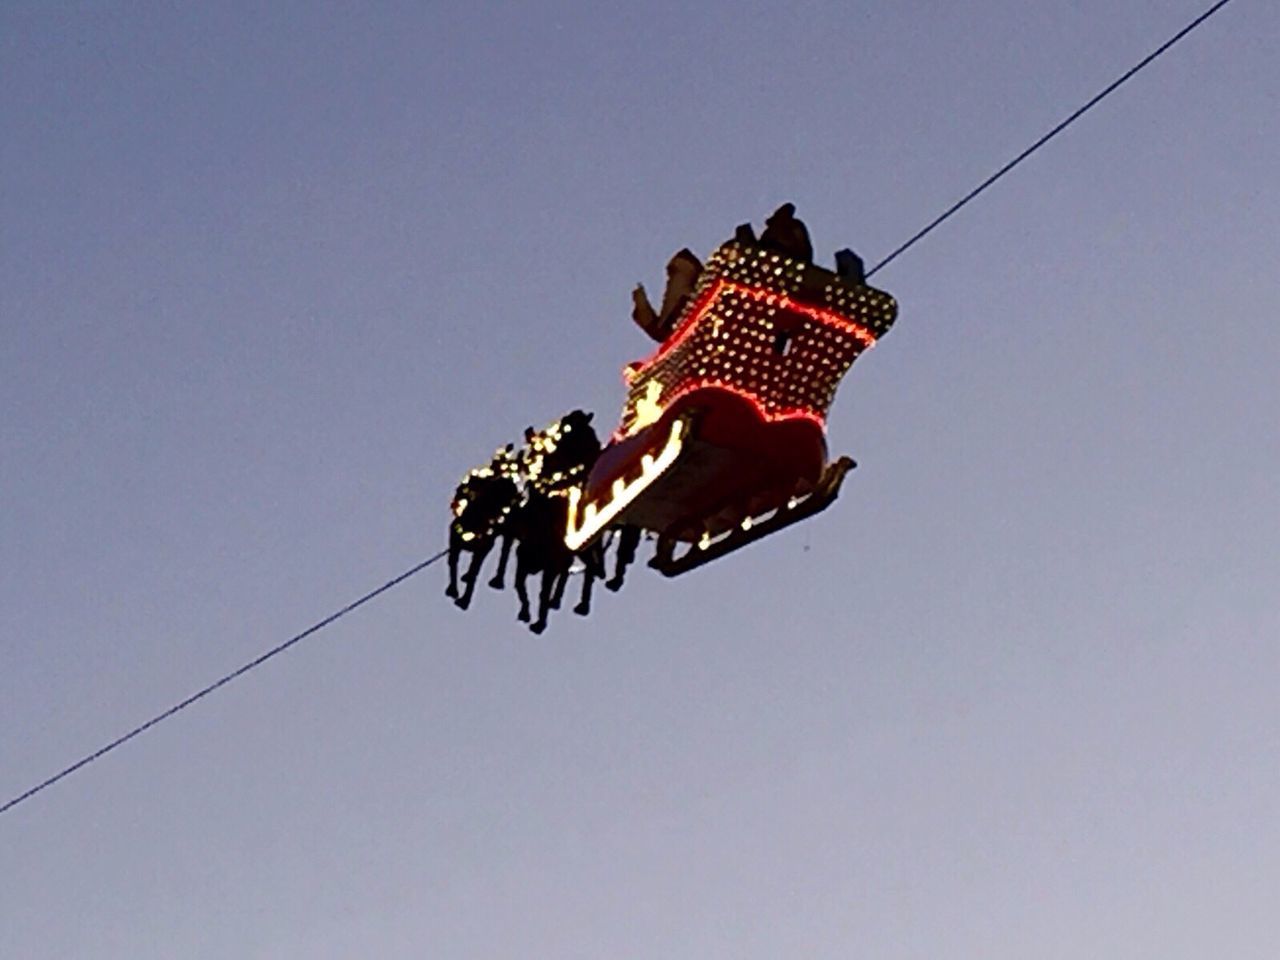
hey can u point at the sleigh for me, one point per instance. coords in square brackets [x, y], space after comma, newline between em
[723, 434]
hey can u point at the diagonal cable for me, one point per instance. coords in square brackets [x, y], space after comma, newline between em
[281, 648]
[1110, 88]
[221, 682]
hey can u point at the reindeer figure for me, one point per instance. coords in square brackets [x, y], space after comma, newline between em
[483, 505]
[555, 459]
[628, 538]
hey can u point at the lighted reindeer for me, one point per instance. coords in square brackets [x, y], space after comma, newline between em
[554, 459]
[483, 506]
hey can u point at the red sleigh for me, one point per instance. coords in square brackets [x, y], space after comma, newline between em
[723, 435]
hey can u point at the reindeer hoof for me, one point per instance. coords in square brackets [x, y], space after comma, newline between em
[496, 583]
[462, 602]
[613, 585]
[523, 616]
[451, 591]
[582, 609]
[539, 626]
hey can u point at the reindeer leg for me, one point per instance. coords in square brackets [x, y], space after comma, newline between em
[559, 580]
[455, 548]
[544, 599]
[522, 588]
[503, 556]
[594, 560]
[473, 571]
[628, 541]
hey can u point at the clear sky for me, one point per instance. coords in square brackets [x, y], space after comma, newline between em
[273, 276]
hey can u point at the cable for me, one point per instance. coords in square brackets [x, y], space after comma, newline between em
[256, 662]
[946, 215]
[120, 741]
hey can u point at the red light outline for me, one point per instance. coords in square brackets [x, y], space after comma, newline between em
[702, 306]
[760, 294]
[713, 383]
[768, 416]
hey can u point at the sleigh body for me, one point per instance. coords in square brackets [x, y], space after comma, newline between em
[722, 438]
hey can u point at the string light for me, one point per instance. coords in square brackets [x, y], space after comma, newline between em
[596, 517]
[774, 331]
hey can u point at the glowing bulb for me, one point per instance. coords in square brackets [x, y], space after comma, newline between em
[648, 409]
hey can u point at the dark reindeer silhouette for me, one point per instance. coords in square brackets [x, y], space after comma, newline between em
[483, 506]
[523, 499]
[555, 459]
[628, 539]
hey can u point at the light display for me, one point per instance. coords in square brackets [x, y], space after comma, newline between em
[761, 328]
[773, 331]
[585, 524]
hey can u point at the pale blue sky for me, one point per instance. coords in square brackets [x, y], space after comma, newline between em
[272, 280]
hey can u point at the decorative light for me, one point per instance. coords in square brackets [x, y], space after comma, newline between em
[725, 341]
[648, 409]
[735, 316]
[595, 517]
[765, 414]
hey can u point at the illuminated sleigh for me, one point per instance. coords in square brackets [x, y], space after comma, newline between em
[722, 439]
